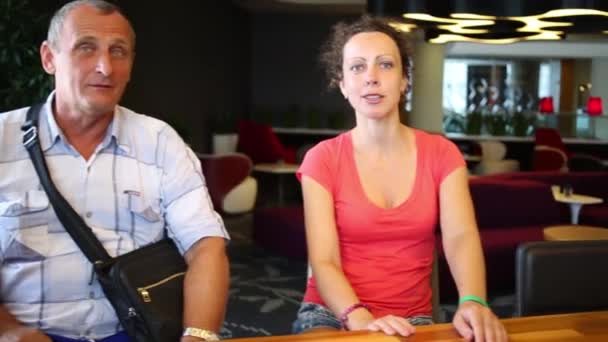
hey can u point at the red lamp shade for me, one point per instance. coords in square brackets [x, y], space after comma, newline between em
[594, 105]
[546, 105]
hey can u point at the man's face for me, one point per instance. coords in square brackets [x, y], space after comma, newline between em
[92, 61]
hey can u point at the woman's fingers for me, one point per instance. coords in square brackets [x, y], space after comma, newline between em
[392, 325]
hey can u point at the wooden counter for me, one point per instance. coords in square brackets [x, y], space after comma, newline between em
[590, 326]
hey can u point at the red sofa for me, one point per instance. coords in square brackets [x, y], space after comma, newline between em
[510, 209]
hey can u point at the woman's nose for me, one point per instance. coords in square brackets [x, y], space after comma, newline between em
[371, 78]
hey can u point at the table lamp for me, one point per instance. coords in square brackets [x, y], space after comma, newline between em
[546, 105]
[594, 105]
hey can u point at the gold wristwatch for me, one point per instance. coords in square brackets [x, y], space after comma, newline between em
[207, 335]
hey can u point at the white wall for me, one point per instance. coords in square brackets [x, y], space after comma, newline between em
[599, 79]
[549, 49]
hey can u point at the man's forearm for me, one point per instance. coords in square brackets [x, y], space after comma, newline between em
[7, 321]
[13, 330]
[206, 285]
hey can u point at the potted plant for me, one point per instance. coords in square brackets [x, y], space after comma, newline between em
[22, 81]
[225, 137]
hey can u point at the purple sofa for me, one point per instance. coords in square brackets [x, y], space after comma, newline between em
[510, 209]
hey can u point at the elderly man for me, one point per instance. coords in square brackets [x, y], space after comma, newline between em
[130, 177]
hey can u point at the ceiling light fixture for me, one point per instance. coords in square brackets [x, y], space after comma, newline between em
[496, 22]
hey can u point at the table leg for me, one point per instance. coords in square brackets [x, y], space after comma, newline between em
[575, 209]
[281, 191]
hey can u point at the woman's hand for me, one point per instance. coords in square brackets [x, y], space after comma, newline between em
[392, 325]
[474, 321]
[389, 324]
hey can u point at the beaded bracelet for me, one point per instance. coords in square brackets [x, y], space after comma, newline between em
[473, 299]
[348, 310]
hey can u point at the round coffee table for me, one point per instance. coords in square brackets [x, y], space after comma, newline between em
[575, 232]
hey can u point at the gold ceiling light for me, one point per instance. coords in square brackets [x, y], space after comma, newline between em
[459, 26]
[403, 27]
[497, 21]
[446, 38]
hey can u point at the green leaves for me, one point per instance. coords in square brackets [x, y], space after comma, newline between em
[22, 79]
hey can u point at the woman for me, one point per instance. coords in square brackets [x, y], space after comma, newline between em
[372, 198]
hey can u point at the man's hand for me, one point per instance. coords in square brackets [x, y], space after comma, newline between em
[24, 334]
[474, 321]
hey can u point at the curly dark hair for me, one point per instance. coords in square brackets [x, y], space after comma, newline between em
[331, 56]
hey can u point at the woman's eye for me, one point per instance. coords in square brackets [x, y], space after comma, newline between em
[357, 67]
[386, 65]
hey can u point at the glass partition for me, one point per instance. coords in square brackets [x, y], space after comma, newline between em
[501, 96]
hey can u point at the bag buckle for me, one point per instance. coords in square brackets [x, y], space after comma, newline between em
[30, 134]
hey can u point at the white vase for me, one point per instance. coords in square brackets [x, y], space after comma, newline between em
[225, 143]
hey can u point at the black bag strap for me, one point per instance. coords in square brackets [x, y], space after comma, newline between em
[72, 222]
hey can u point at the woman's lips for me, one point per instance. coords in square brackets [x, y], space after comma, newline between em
[373, 98]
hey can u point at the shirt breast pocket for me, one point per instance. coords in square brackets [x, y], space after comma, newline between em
[146, 220]
[24, 219]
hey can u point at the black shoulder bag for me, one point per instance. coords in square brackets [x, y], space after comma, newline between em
[144, 286]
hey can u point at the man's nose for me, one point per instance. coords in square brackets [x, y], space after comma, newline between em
[104, 64]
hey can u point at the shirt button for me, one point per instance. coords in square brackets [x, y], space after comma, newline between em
[91, 294]
[88, 214]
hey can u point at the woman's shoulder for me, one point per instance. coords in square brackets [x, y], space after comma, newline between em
[332, 145]
[431, 139]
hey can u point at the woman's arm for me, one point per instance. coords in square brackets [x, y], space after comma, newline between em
[324, 254]
[463, 251]
[460, 236]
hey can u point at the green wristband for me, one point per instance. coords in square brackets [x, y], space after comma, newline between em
[474, 299]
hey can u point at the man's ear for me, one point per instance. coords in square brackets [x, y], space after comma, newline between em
[47, 58]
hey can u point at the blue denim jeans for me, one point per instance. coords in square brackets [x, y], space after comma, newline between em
[120, 337]
[312, 315]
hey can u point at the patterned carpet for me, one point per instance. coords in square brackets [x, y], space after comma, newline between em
[266, 289]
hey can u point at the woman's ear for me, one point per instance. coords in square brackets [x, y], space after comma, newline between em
[403, 86]
[343, 88]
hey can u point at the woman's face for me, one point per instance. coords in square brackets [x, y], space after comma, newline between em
[373, 78]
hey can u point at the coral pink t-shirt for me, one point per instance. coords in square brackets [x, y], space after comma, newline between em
[386, 254]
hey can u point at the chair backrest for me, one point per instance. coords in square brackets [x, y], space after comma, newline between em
[222, 173]
[549, 137]
[492, 150]
[561, 276]
[549, 158]
[582, 162]
[261, 144]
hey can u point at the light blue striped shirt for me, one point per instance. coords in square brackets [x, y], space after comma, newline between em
[141, 179]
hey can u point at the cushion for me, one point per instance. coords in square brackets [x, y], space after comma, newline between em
[513, 203]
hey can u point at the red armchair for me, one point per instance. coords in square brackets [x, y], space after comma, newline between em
[550, 154]
[232, 189]
[262, 145]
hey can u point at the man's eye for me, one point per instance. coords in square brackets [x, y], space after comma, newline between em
[86, 47]
[118, 52]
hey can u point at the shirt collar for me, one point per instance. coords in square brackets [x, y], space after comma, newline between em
[50, 133]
